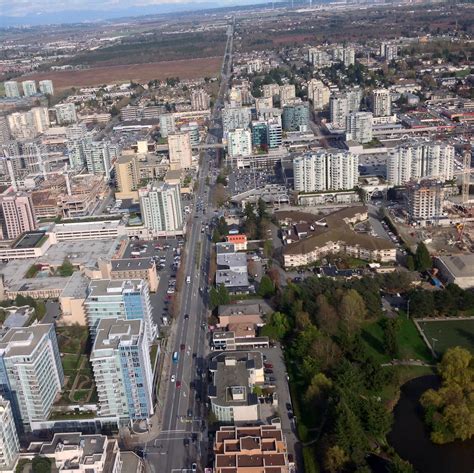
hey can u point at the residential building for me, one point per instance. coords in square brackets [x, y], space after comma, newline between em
[287, 93]
[11, 88]
[31, 374]
[193, 129]
[388, 51]
[130, 113]
[238, 240]
[9, 443]
[381, 103]
[29, 88]
[239, 142]
[344, 54]
[274, 134]
[325, 170]
[122, 368]
[263, 103]
[271, 90]
[318, 57]
[16, 214]
[65, 113]
[295, 116]
[235, 117]
[318, 94]
[180, 151]
[119, 299]
[126, 173]
[338, 109]
[425, 201]
[231, 268]
[334, 234]
[354, 98]
[161, 210]
[4, 130]
[46, 87]
[415, 160]
[231, 393]
[260, 448]
[359, 127]
[167, 124]
[78, 453]
[99, 156]
[200, 100]
[27, 125]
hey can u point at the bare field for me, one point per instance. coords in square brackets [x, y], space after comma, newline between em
[184, 69]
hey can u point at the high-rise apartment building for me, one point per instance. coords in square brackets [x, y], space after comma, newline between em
[287, 93]
[318, 57]
[381, 103]
[193, 129]
[31, 373]
[344, 54]
[274, 134]
[354, 98]
[388, 51]
[318, 94]
[180, 152]
[77, 139]
[4, 130]
[270, 90]
[126, 172]
[359, 127]
[11, 88]
[16, 214]
[263, 103]
[27, 125]
[325, 170]
[235, 117]
[295, 116]
[9, 443]
[122, 370]
[160, 205]
[167, 124]
[415, 160]
[200, 100]
[99, 156]
[425, 201]
[46, 87]
[338, 109]
[65, 114]
[119, 299]
[29, 88]
[239, 142]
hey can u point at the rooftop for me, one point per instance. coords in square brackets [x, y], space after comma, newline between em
[132, 264]
[109, 287]
[23, 341]
[459, 265]
[111, 333]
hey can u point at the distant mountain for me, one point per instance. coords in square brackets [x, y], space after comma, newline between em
[86, 16]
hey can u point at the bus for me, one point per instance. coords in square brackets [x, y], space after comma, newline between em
[175, 357]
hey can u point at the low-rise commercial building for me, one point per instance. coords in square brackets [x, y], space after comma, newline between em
[231, 268]
[456, 269]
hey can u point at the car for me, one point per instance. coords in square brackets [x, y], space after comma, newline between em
[194, 467]
[182, 347]
[288, 406]
[190, 413]
[268, 365]
[186, 316]
[178, 384]
[186, 442]
[173, 378]
[290, 415]
[194, 355]
[268, 371]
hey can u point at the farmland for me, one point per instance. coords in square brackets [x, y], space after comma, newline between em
[184, 69]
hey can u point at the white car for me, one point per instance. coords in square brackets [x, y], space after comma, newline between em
[173, 378]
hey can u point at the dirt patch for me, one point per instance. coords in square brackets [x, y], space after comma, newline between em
[184, 69]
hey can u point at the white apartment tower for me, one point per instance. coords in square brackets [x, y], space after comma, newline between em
[287, 93]
[326, 170]
[381, 103]
[318, 57]
[31, 373]
[388, 51]
[318, 94]
[11, 88]
[180, 152]
[416, 160]
[239, 142]
[122, 370]
[29, 88]
[359, 127]
[46, 87]
[9, 443]
[339, 109]
[167, 124]
[160, 205]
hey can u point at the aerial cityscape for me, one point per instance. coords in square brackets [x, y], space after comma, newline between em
[237, 238]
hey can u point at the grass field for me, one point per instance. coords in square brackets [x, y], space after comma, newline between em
[449, 333]
[411, 345]
[184, 69]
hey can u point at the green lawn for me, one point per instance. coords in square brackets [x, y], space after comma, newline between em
[81, 395]
[410, 343]
[70, 362]
[449, 334]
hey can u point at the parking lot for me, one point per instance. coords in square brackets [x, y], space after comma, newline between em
[165, 252]
[242, 180]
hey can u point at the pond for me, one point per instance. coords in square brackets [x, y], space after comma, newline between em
[411, 439]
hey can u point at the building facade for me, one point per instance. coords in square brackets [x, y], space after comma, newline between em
[180, 151]
[359, 127]
[381, 103]
[11, 88]
[16, 214]
[29, 88]
[9, 443]
[46, 87]
[318, 94]
[239, 142]
[200, 100]
[295, 116]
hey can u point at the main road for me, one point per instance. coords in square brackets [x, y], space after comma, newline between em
[182, 440]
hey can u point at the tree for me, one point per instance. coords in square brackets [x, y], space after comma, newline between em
[335, 459]
[422, 303]
[266, 287]
[410, 263]
[218, 296]
[319, 387]
[352, 309]
[277, 327]
[449, 411]
[41, 465]
[66, 269]
[390, 330]
[422, 258]
[326, 316]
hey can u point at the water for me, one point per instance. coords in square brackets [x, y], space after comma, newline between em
[411, 440]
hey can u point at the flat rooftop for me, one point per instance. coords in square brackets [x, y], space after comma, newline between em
[88, 444]
[460, 266]
[29, 240]
[113, 287]
[85, 226]
[132, 264]
[23, 341]
[113, 332]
